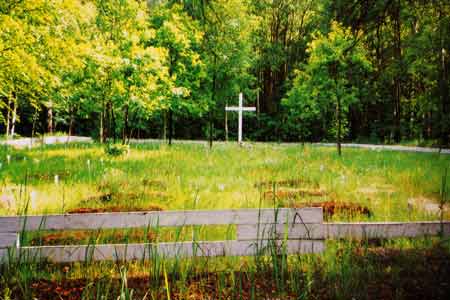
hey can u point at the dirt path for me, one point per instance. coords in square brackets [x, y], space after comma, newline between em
[349, 145]
[48, 140]
[388, 147]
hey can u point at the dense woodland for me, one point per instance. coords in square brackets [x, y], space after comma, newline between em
[361, 70]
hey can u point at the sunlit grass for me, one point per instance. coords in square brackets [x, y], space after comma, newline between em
[58, 178]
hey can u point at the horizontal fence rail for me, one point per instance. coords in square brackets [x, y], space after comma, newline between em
[8, 239]
[118, 252]
[361, 230]
[259, 231]
[159, 218]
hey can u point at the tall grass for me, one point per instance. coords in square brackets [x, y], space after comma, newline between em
[193, 177]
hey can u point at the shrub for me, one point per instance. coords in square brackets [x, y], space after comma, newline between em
[116, 149]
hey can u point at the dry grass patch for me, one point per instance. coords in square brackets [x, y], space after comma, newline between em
[287, 194]
[116, 208]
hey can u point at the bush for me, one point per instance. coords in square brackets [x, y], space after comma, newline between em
[116, 149]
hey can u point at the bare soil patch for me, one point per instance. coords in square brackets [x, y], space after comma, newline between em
[331, 208]
[49, 176]
[87, 237]
[154, 184]
[293, 183]
[104, 197]
[116, 208]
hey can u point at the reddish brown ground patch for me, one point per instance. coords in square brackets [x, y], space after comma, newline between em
[116, 208]
[103, 197]
[283, 183]
[154, 184]
[86, 237]
[62, 174]
[331, 208]
[284, 194]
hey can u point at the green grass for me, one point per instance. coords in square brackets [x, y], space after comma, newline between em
[194, 177]
[191, 176]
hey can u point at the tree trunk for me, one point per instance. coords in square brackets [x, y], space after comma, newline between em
[33, 129]
[444, 88]
[14, 115]
[71, 123]
[226, 122]
[113, 124]
[50, 119]
[338, 116]
[211, 126]
[102, 119]
[8, 117]
[333, 71]
[211, 114]
[445, 128]
[108, 119]
[397, 76]
[170, 126]
[165, 126]
[125, 127]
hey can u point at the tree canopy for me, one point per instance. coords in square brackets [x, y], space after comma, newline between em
[373, 71]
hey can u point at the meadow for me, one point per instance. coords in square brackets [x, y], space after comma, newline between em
[362, 185]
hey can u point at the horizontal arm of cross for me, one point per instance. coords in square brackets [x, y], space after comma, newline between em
[237, 108]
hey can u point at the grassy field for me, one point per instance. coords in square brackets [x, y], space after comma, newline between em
[228, 176]
[360, 185]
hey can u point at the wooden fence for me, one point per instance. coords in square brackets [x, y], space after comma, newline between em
[297, 230]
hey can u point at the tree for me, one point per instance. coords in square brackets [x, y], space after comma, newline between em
[280, 42]
[25, 48]
[228, 53]
[180, 35]
[130, 69]
[327, 82]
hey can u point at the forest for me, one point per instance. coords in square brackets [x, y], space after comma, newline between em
[316, 70]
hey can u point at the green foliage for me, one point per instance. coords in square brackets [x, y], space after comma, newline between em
[180, 36]
[117, 68]
[326, 86]
[116, 149]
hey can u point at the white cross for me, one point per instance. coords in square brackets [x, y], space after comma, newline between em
[240, 109]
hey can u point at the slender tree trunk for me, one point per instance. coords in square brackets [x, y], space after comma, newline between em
[429, 125]
[397, 76]
[226, 122]
[108, 119]
[50, 119]
[257, 105]
[444, 88]
[333, 71]
[102, 125]
[8, 117]
[165, 125]
[211, 126]
[113, 124]
[33, 129]
[211, 114]
[125, 127]
[338, 116]
[445, 128]
[14, 115]
[170, 126]
[71, 122]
